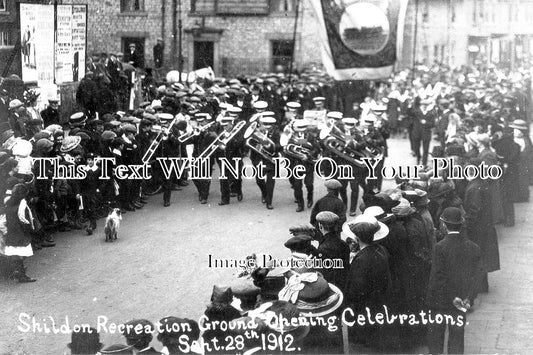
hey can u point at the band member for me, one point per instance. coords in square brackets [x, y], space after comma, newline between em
[232, 149]
[202, 141]
[270, 145]
[353, 141]
[292, 113]
[320, 103]
[169, 148]
[373, 138]
[423, 122]
[302, 139]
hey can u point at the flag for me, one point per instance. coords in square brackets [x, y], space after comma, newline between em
[360, 39]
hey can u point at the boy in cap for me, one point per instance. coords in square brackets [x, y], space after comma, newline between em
[331, 202]
[333, 248]
[455, 272]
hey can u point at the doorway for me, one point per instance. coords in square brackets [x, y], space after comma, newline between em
[204, 54]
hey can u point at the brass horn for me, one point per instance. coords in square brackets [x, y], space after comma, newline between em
[254, 140]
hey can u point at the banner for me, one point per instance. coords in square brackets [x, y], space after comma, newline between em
[37, 43]
[360, 39]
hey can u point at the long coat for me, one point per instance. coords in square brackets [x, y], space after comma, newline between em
[489, 157]
[455, 272]
[508, 152]
[479, 226]
[17, 236]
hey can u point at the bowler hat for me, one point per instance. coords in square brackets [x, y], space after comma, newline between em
[452, 215]
[85, 341]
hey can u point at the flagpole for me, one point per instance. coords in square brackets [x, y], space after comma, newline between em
[294, 40]
[415, 40]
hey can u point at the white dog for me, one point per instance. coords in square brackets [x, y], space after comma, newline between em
[112, 225]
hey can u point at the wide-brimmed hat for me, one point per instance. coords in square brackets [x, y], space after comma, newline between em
[519, 124]
[452, 215]
[315, 298]
[85, 341]
[69, 143]
[381, 199]
[349, 228]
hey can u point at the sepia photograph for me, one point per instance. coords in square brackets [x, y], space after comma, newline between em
[266, 177]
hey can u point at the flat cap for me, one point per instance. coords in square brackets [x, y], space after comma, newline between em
[43, 144]
[332, 184]
[327, 217]
[108, 135]
[15, 103]
[165, 116]
[299, 243]
[129, 128]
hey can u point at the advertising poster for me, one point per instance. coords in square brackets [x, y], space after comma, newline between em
[64, 50]
[79, 36]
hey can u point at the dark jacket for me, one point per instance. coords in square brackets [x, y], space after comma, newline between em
[368, 279]
[17, 234]
[422, 124]
[331, 203]
[333, 247]
[455, 272]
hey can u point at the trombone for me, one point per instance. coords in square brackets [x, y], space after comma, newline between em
[195, 132]
[222, 139]
[157, 141]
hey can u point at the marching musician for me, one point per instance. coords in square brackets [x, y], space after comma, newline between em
[353, 141]
[307, 140]
[293, 112]
[320, 103]
[271, 145]
[233, 149]
[201, 142]
[373, 138]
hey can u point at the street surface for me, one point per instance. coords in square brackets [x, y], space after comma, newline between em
[159, 267]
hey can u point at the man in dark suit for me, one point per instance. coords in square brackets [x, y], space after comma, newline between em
[423, 122]
[331, 202]
[133, 56]
[158, 53]
[455, 273]
[332, 247]
[369, 280]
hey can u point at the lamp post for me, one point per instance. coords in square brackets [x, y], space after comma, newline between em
[180, 47]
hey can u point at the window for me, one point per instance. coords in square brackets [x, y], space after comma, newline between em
[282, 53]
[3, 6]
[425, 12]
[5, 39]
[283, 5]
[453, 13]
[131, 5]
[203, 6]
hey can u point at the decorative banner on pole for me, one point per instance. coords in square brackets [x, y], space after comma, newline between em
[360, 39]
[37, 43]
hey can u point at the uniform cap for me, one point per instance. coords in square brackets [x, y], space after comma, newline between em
[349, 121]
[294, 105]
[319, 98]
[261, 105]
[267, 120]
[335, 115]
[165, 116]
[15, 103]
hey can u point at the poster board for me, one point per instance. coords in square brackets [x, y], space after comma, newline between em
[53, 43]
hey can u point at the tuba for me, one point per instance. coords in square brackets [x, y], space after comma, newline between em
[254, 138]
[294, 150]
[222, 139]
[335, 142]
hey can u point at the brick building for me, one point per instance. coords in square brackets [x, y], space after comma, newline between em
[231, 36]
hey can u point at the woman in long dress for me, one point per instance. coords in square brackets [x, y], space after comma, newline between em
[18, 241]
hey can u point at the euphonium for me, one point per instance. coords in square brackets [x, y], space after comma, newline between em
[335, 142]
[254, 139]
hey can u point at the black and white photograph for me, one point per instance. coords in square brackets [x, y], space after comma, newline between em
[266, 177]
